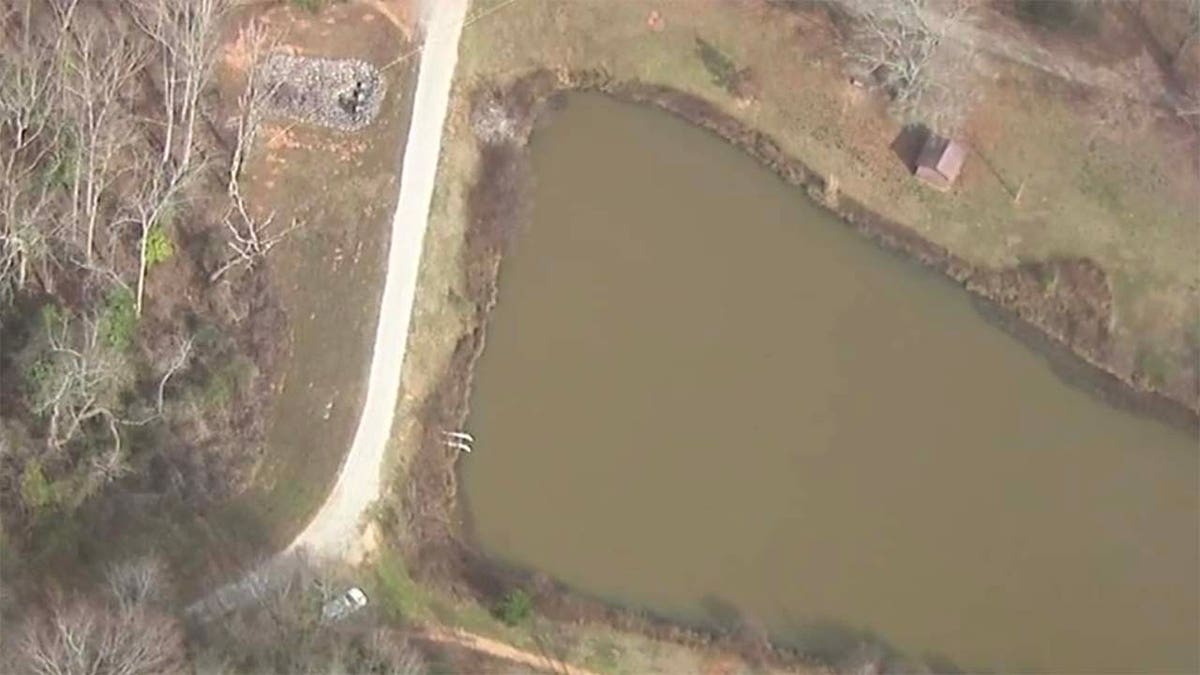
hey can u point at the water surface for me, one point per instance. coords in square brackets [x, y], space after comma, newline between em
[700, 391]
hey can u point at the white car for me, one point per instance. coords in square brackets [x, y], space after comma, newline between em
[344, 605]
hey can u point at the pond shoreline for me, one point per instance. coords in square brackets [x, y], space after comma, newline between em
[1061, 308]
[1069, 321]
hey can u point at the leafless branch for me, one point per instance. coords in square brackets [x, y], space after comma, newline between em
[97, 71]
[186, 33]
[907, 45]
[258, 42]
[182, 356]
[249, 242]
[135, 583]
[29, 138]
[77, 381]
[84, 638]
[148, 206]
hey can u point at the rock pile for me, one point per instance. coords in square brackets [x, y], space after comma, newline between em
[493, 122]
[342, 94]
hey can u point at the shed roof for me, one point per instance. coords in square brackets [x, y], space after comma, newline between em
[941, 160]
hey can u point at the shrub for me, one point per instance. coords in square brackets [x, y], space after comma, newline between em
[228, 375]
[159, 247]
[515, 608]
[118, 319]
[36, 491]
[724, 71]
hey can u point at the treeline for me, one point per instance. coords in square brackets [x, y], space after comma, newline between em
[133, 317]
[130, 627]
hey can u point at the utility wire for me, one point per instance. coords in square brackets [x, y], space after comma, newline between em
[470, 20]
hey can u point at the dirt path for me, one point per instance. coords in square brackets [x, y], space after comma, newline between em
[335, 529]
[500, 650]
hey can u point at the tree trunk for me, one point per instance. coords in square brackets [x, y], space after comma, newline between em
[141, 284]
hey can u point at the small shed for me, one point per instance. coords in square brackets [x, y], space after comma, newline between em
[940, 161]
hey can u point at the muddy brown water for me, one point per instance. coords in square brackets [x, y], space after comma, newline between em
[702, 393]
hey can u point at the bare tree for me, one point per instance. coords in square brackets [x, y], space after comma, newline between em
[97, 72]
[149, 205]
[257, 42]
[186, 33]
[29, 140]
[918, 52]
[136, 583]
[79, 379]
[249, 242]
[183, 354]
[83, 637]
[248, 238]
[384, 652]
[67, 106]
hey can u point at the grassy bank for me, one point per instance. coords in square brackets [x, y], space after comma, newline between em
[596, 646]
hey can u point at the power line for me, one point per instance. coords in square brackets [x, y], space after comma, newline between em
[470, 20]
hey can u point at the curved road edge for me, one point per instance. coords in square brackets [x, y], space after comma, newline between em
[334, 531]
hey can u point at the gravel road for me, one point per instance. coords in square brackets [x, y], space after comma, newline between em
[335, 530]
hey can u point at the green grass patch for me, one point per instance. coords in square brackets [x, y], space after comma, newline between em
[36, 491]
[118, 319]
[312, 6]
[1154, 365]
[1080, 16]
[515, 608]
[603, 655]
[399, 597]
[1097, 182]
[37, 376]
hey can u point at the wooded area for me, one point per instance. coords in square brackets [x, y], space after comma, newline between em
[130, 347]
[132, 626]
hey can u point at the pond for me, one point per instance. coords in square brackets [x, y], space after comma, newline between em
[704, 396]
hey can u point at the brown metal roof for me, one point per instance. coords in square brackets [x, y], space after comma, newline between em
[940, 161]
